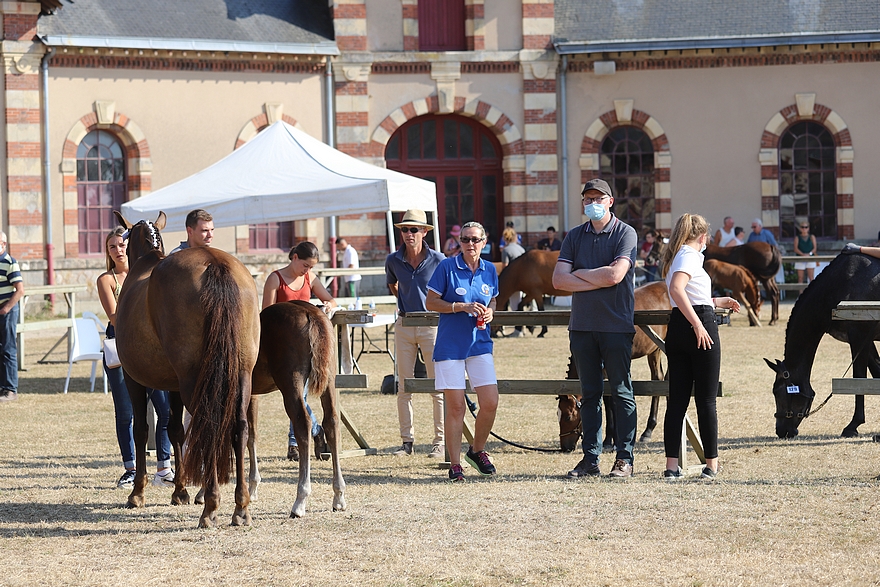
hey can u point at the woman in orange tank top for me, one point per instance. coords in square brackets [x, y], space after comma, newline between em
[297, 281]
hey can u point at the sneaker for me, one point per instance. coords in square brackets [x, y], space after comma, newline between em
[320, 443]
[621, 469]
[126, 481]
[405, 450]
[671, 475]
[292, 452]
[436, 452]
[164, 479]
[455, 473]
[8, 395]
[480, 461]
[708, 473]
[584, 469]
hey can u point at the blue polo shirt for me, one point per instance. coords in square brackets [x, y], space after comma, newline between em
[765, 236]
[457, 334]
[412, 283]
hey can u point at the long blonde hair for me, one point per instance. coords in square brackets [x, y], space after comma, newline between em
[687, 228]
[118, 231]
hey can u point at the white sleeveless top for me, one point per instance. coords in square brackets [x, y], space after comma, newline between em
[726, 237]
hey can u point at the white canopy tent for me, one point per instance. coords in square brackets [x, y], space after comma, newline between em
[284, 174]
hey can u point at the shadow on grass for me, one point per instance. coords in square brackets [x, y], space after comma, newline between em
[800, 440]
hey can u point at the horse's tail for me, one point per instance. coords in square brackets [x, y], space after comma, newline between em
[321, 341]
[217, 393]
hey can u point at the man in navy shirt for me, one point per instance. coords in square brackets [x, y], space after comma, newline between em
[11, 291]
[596, 263]
[760, 234]
[407, 273]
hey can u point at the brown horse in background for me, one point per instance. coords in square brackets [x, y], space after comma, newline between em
[652, 296]
[762, 259]
[297, 345]
[740, 282]
[532, 274]
[189, 323]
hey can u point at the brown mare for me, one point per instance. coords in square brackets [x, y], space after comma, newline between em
[189, 323]
[532, 274]
[761, 259]
[652, 296]
[740, 282]
[297, 345]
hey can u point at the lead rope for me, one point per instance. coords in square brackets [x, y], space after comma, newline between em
[851, 363]
[473, 409]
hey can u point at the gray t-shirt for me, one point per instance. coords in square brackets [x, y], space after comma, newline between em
[609, 309]
[511, 252]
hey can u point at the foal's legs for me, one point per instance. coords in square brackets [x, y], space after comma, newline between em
[254, 477]
[291, 387]
[138, 395]
[175, 435]
[241, 516]
[331, 430]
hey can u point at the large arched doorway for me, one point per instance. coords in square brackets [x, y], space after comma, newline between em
[626, 162]
[808, 180]
[101, 188]
[463, 158]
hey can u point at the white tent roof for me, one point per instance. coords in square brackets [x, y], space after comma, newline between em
[284, 174]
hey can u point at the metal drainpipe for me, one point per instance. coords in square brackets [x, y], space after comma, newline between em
[47, 180]
[330, 112]
[563, 137]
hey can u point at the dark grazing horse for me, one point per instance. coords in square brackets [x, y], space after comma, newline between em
[762, 259]
[532, 274]
[297, 345]
[190, 323]
[652, 296]
[848, 277]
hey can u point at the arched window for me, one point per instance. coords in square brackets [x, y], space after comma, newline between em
[626, 162]
[100, 188]
[808, 179]
[463, 158]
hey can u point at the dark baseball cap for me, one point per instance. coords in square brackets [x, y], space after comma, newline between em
[598, 184]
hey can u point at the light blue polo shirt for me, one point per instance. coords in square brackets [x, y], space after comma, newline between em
[457, 334]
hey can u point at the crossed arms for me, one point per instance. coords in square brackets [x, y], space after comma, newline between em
[568, 279]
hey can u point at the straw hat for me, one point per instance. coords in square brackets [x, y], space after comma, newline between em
[415, 218]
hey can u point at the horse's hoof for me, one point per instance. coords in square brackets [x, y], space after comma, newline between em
[646, 436]
[849, 433]
[541, 335]
[241, 519]
[200, 497]
[135, 501]
[208, 521]
[181, 498]
[339, 506]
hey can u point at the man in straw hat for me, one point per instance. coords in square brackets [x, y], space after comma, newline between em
[407, 273]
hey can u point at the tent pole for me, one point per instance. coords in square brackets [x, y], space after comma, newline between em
[390, 222]
[437, 231]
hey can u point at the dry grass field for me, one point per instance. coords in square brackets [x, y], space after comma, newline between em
[798, 512]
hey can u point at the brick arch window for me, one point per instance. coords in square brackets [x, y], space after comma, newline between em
[808, 179]
[101, 187]
[463, 158]
[626, 162]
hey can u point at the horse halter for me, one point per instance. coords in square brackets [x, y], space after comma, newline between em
[579, 429]
[154, 238]
[787, 383]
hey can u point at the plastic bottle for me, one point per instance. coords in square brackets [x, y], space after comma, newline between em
[358, 305]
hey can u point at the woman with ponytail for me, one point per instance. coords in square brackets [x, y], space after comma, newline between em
[693, 347]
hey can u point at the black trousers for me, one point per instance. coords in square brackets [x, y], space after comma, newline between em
[691, 368]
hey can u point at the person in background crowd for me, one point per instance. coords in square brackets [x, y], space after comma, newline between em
[199, 231]
[551, 243]
[109, 285]
[296, 281]
[349, 261]
[597, 263]
[407, 272]
[761, 234]
[512, 250]
[805, 246]
[739, 237]
[11, 291]
[650, 254]
[452, 247]
[693, 347]
[726, 234]
[463, 290]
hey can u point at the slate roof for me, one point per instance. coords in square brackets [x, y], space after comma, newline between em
[249, 24]
[631, 25]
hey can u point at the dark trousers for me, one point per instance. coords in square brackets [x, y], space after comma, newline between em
[691, 368]
[612, 350]
[9, 350]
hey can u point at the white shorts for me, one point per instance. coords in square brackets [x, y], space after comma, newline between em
[801, 265]
[450, 374]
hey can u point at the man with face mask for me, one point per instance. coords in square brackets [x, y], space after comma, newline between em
[597, 263]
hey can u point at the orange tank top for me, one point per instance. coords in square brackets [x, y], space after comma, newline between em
[285, 294]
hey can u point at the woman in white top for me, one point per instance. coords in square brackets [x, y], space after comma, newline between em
[693, 348]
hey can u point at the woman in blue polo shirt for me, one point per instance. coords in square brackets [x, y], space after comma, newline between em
[463, 290]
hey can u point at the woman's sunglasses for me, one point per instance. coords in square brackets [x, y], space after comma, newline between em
[412, 229]
[471, 239]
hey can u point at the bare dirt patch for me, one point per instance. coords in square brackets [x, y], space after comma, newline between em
[798, 512]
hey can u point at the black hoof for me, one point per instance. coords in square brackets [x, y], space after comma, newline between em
[541, 335]
[849, 433]
[646, 436]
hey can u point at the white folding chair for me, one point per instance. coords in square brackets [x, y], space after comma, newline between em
[87, 346]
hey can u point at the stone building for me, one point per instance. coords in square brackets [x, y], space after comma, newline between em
[742, 108]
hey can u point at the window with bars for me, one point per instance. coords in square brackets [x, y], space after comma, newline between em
[626, 162]
[808, 180]
[101, 188]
